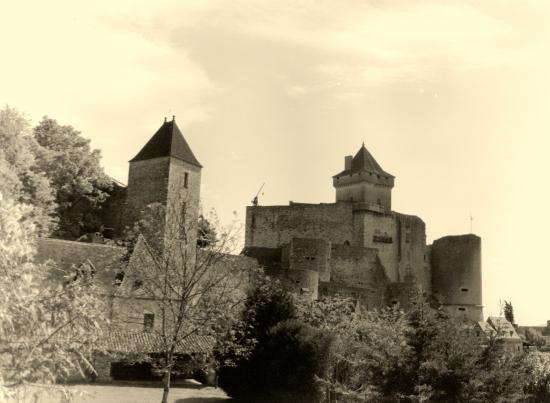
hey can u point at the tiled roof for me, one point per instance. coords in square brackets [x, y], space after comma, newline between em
[149, 342]
[364, 161]
[504, 328]
[68, 255]
[167, 142]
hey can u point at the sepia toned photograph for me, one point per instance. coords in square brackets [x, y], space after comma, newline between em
[274, 201]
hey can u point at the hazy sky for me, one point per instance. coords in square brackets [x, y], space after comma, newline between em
[452, 97]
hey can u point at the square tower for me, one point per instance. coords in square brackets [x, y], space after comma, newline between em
[363, 180]
[166, 171]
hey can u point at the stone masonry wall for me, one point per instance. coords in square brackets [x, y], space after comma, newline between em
[379, 231]
[183, 200]
[414, 265]
[272, 226]
[310, 254]
[147, 183]
[456, 274]
[357, 267]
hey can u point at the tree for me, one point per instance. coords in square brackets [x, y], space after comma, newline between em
[206, 233]
[535, 338]
[78, 180]
[270, 355]
[20, 176]
[49, 323]
[422, 355]
[509, 312]
[192, 291]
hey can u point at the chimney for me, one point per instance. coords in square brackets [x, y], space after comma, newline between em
[348, 160]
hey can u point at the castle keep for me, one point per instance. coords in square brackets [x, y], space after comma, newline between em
[358, 247]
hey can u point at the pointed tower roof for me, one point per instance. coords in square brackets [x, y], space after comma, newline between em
[167, 142]
[364, 161]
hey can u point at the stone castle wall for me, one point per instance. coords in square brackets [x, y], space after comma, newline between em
[456, 274]
[272, 226]
[309, 254]
[357, 267]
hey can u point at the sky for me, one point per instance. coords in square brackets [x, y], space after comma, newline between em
[453, 98]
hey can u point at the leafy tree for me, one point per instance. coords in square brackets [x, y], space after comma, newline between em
[272, 356]
[535, 338]
[20, 176]
[538, 387]
[48, 325]
[422, 355]
[509, 312]
[73, 168]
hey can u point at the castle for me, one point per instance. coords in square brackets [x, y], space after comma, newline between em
[356, 247]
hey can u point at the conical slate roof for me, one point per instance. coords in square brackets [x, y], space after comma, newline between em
[364, 161]
[167, 142]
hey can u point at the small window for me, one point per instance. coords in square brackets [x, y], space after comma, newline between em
[137, 284]
[461, 308]
[464, 290]
[185, 179]
[119, 277]
[394, 302]
[148, 322]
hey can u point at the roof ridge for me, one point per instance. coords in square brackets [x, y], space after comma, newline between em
[168, 141]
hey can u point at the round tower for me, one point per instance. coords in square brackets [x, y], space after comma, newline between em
[456, 274]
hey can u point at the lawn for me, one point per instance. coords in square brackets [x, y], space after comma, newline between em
[138, 393]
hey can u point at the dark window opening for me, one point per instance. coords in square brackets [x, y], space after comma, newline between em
[461, 308]
[185, 179]
[464, 290]
[148, 322]
[382, 238]
[394, 302]
[119, 277]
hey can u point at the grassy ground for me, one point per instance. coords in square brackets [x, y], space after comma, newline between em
[136, 393]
